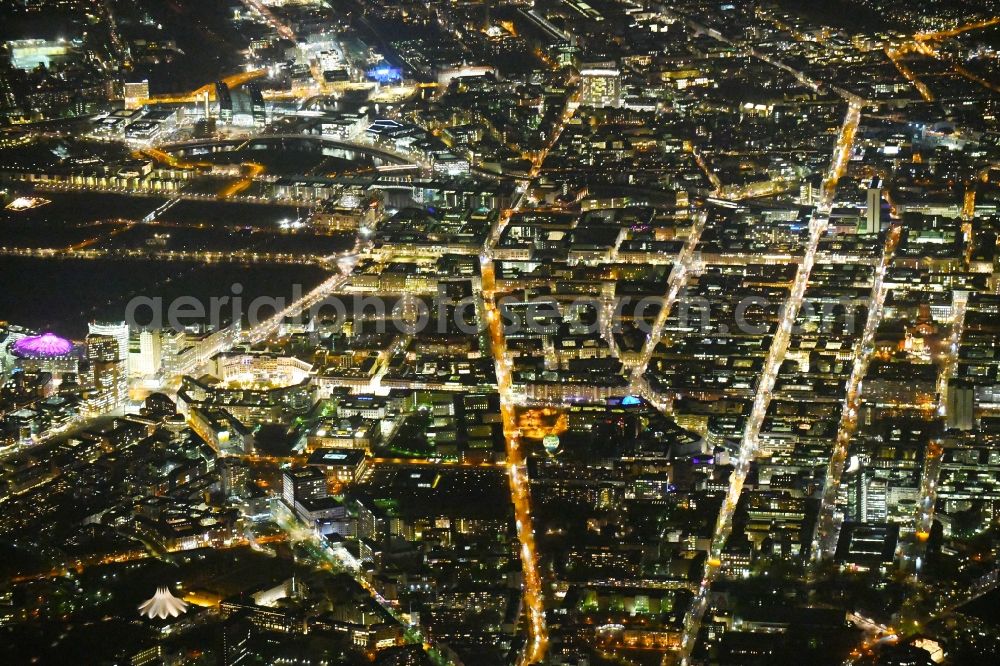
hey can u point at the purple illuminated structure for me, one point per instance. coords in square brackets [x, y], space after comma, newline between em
[46, 345]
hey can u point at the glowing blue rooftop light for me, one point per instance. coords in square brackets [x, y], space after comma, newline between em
[385, 74]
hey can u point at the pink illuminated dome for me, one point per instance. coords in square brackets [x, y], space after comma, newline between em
[46, 345]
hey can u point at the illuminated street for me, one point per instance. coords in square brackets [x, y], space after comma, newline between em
[495, 334]
[765, 385]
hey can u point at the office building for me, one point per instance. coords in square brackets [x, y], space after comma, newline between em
[601, 85]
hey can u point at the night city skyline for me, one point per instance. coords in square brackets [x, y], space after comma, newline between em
[500, 332]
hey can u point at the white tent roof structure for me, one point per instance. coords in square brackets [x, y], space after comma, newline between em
[162, 605]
